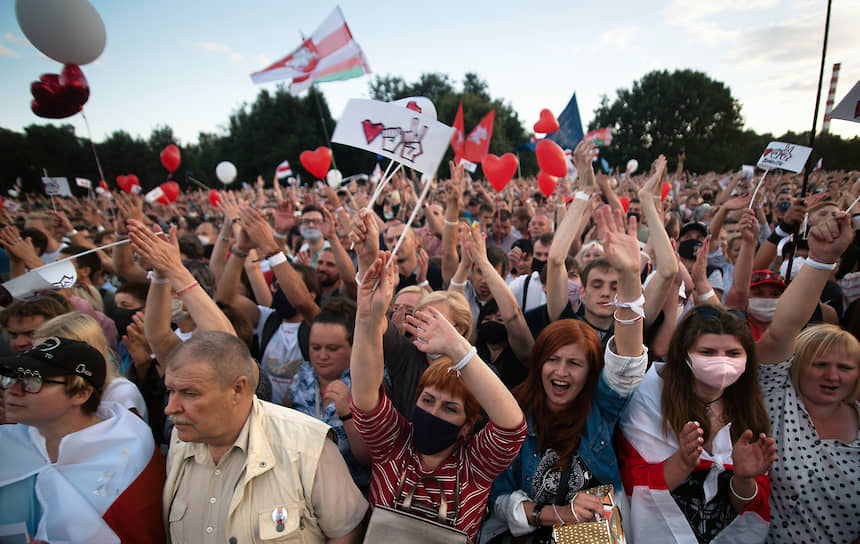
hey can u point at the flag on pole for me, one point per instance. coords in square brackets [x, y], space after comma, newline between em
[284, 170]
[458, 140]
[601, 136]
[819, 164]
[478, 143]
[569, 131]
[329, 54]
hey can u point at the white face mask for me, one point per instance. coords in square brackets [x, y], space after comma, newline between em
[762, 309]
[203, 239]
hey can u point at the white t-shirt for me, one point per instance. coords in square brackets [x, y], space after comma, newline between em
[534, 298]
[127, 395]
[282, 356]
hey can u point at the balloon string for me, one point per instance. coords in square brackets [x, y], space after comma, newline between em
[96, 155]
[757, 187]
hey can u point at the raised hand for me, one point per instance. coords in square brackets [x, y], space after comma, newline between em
[582, 160]
[374, 302]
[830, 238]
[130, 207]
[433, 333]
[229, 205]
[258, 230]
[365, 237]
[285, 216]
[690, 444]
[423, 264]
[753, 459]
[19, 249]
[622, 248]
[327, 227]
[163, 255]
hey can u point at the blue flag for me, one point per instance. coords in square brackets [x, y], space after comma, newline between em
[569, 131]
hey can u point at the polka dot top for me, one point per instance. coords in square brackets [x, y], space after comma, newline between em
[815, 495]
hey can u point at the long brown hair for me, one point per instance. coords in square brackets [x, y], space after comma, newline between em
[560, 431]
[743, 406]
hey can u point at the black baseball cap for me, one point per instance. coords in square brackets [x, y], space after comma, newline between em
[694, 225]
[60, 357]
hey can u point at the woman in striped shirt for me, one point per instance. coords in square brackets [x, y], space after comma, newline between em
[439, 442]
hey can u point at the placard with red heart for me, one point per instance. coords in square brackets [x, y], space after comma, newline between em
[546, 183]
[499, 170]
[551, 158]
[547, 123]
[316, 162]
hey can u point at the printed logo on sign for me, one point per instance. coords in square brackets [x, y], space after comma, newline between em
[394, 138]
[65, 282]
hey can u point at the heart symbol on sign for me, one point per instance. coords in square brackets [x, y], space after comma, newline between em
[371, 130]
[499, 170]
[767, 152]
[547, 123]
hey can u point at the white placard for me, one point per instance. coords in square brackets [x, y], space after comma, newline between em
[84, 182]
[420, 104]
[848, 108]
[469, 165]
[784, 155]
[748, 171]
[395, 132]
[48, 278]
[57, 186]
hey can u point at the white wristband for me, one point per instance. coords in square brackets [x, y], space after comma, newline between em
[780, 232]
[637, 306]
[581, 195]
[708, 295]
[279, 236]
[451, 223]
[457, 283]
[820, 266]
[464, 361]
[276, 259]
[424, 284]
[155, 280]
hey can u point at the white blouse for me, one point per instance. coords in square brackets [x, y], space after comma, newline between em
[815, 484]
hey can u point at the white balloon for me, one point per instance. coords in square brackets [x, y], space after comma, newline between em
[226, 172]
[333, 178]
[13, 193]
[632, 165]
[68, 31]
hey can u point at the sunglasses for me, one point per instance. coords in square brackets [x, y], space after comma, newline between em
[31, 384]
[706, 311]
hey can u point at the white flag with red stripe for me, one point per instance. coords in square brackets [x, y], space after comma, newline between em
[329, 54]
[284, 170]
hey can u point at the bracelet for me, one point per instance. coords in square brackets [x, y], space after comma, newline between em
[279, 236]
[581, 195]
[156, 280]
[738, 497]
[820, 266]
[187, 288]
[424, 284]
[276, 259]
[451, 223]
[637, 306]
[557, 516]
[346, 417]
[457, 284]
[464, 361]
[536, 514]
[238, 253]
[224, 238]
[357, 280]
[572, 511]
[706, 296]
[625, 321]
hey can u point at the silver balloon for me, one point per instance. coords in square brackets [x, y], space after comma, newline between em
[68, 31]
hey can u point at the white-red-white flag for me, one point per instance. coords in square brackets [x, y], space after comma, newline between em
[284, 170]
[329, 54]
[478, 143]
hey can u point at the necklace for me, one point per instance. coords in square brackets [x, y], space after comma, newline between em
[708, 411]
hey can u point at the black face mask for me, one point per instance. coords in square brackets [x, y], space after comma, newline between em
[636, 215]
[492, 332]
[537, 265]
[282, 305]
[432, 434]
[783, 206]
[122, 319]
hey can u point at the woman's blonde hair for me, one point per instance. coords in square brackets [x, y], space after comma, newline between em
[815, 341]
[80, 326]
[461, 314]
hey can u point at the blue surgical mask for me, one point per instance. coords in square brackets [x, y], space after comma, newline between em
[783, 206]
[432, 434]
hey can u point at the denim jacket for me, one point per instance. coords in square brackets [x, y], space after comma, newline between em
[595, 445]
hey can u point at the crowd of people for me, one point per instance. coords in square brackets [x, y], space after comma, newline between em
[299, 364]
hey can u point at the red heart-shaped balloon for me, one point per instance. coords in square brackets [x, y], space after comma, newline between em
[551, 158]
[546, 183]
[547, 123]
[214, 197]
[56, 96]
[103, 184]
[664, 190]
[499, 170]
[170, 190]
[317, 162]
[170, 157]
[625, 203]
[128, 183]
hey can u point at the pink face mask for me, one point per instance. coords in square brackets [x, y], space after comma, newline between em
[718, 371]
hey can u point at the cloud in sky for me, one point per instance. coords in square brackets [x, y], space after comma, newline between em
[221, 48]
[17, 40]
[617, 38]
[6, 52]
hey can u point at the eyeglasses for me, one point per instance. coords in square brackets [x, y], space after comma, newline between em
[311, 221]
[31, 384]
[706, 311]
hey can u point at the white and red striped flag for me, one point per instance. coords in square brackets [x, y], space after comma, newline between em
[601, 136]
[284, 170]
[329, 54]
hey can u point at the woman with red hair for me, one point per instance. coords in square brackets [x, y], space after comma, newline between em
[439, 442]
[572, 398]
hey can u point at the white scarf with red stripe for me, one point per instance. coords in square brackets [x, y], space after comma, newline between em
[94, 467]
[655, 517]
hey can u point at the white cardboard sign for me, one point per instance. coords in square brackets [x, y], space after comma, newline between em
[57, 186]
[393, 131]
[784, 155]
[51, 277]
